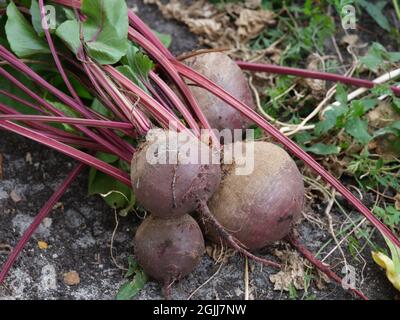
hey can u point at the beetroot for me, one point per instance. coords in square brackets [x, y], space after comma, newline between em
[172, 190]
[169, 249]
[223, 71]
[260, 208]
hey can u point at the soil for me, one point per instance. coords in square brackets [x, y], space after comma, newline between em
[79, 231]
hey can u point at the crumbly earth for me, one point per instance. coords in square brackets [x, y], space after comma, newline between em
[79, 231]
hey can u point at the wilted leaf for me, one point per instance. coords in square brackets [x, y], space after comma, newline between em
[391, 265]
[292, 273]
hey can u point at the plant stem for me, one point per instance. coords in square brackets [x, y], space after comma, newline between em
[163, 115]
[319, 265]
[67, 120]
[17, 64]
[397, 8]
[11, 112]
[169, 68]
[55, 55]
[259, 67]
[22, 101]
[44, 212]
[134, 114]
[140, 26]
[69, 151]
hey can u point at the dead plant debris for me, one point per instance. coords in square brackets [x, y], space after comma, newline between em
[232, 26]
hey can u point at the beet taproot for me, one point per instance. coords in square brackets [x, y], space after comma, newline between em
[224, 72]
[169, 188]
[261, 207]
[169, 249]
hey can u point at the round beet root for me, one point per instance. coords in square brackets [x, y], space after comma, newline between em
[169, 249]
[172, 172]
[223, 71]
[259, 208]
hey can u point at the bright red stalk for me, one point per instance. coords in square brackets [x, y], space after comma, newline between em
[67, 120]
[168, 67]
[69, 151]
[319, 265]
[19, 65]
[44, 212]
[140, 26]
[205, 83]
[42, 127]
[162, 115]
[129, 108]
[259, 67]
[55, 55]
[22, 101]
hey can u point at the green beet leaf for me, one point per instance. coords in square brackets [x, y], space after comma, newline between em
[23, 39]
[105, 30]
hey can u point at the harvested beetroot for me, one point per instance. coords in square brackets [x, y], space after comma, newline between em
[260, 208]
[223, 71]
[169, 249]
[167, 189]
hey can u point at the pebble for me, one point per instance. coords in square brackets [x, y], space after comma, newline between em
[15, 196]
[72, 278]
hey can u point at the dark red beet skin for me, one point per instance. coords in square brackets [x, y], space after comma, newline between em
[169, 249]
[172, 190]
[260, 208]
[223, 71]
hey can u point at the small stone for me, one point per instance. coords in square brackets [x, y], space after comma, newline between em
[47, 222]
[28, 158]
[72, 278]
[42, 245]
[15, 196]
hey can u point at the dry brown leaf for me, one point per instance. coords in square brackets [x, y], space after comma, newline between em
[321, 280]
[383, 115]
[251, 23]
[350, 39]
[292, 272]
[318, 87]
[231, 26]
[208, 27]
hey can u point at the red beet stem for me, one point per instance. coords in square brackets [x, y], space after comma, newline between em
[69, 151]
[55, 55]
[44, 212]
[84, 122]
[294, 241]
[259, 67]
